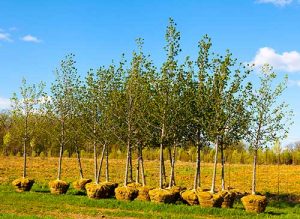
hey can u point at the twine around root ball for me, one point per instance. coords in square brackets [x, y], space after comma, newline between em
[58, 187]
[23, 184]
[255, 203]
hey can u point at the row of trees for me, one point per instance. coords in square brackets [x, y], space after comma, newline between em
[206, 102]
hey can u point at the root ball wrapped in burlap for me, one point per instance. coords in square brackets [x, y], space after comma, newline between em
[58, 187]
[111, 186]
[190, 197]
[255, 203]
[80, 184]
[126, 193]
[143, 194]
[23, 184]
[228, 199]
[206, 199]
[97, 191]
[163, 196]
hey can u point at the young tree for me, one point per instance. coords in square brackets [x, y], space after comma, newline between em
[163, 110]
[200, 105]
[62, 100]
[231, 117]
[270, 119]
[25, 106]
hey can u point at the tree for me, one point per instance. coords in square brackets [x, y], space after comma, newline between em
[163, 93]
[61, 103]
[229, 107]
[24, 106]
[270, 119]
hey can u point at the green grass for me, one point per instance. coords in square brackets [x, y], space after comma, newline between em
[41, 204]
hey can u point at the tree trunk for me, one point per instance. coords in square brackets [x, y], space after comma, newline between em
[142, 167]
[79, 161]
[137, 176]
[127, 163]
[223, 168]
[161, 156]
[25, 157]
[170, 155]
[254, 172]
[62, 143]
[172, 175]
[130, 165]
[24, 146]
[213, 183]
[95, 155]
[106, 163]
[197, 175]
[100, 164]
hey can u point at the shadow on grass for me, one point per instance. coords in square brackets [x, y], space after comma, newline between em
[283, 200]
[76, 192]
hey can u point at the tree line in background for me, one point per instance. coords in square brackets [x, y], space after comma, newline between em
[205, 109]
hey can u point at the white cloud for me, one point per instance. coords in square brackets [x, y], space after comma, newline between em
[30, 38]
[293, 83]
[4, 103]
[5, 37]
[287, 61]
[280, 3]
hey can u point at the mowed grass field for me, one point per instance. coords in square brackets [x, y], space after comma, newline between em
[39, 203]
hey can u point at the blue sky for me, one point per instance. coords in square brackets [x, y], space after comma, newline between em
[35, 35]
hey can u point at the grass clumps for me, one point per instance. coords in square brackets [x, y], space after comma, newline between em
[80, 184]
[58, 187]
[255, 203]
[206, 199]
[23, 184]
[163, 195]
[190, 197]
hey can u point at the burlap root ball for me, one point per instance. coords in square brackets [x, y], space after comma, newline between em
[228, 198]
[143, 194]
[239, 193]
[58, 187]
[23, 184]
[97, 191]
[126, 193]
[255, 203]
[111, 186]
[163, 196]
[80, 184]
[206, 199]
[190, 197]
